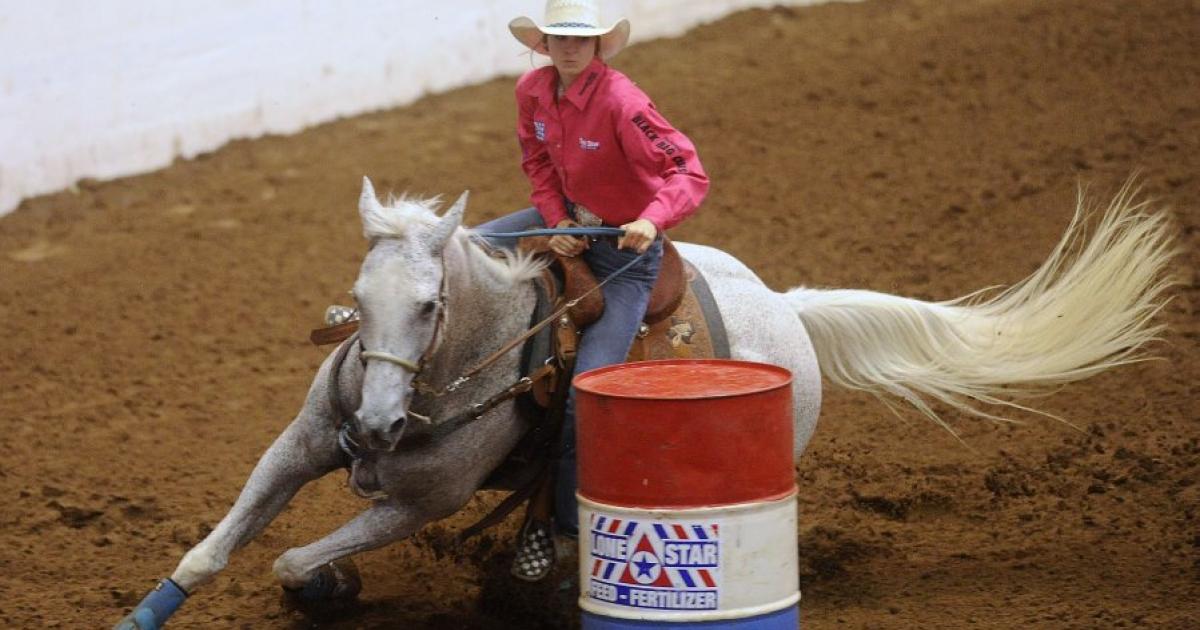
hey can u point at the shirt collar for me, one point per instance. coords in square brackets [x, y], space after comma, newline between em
[585, 84]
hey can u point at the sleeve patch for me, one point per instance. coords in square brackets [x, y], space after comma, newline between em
[660, 143]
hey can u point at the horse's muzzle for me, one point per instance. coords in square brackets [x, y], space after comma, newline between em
[380, 435]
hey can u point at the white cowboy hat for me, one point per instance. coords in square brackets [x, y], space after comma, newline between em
[579, 18]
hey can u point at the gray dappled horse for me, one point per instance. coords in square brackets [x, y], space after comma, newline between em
[433, 302]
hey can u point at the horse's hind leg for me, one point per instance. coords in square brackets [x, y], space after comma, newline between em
[386, 521]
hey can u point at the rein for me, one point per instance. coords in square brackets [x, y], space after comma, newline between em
[346, 440]
[415, 368]
[568, 231]
[506, 348]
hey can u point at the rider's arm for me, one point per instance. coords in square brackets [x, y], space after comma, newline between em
[656, 148]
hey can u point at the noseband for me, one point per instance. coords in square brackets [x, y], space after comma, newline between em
[415, 368]
[409, 366]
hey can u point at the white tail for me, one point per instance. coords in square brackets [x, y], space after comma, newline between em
[1087, 309]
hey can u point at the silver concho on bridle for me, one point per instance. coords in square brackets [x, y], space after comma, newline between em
[338, 314]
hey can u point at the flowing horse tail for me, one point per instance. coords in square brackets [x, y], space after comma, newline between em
[1088, 308]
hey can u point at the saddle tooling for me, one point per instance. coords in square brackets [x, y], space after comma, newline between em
[681, 321]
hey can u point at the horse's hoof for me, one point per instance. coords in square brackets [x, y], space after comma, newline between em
[140, 619]
[335, 583]
[130, 622]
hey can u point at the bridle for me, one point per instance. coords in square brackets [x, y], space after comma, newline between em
[414, 368]
[435, 341]
[366, 355]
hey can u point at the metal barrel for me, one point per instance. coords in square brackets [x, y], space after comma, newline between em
[687, 496]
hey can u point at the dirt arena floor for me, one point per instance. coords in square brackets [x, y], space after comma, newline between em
[155, 327]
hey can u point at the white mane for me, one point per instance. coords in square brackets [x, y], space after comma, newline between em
[512, 268]
[399, 215]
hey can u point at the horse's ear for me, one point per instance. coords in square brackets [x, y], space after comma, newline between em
[452, 219]
[367, 201]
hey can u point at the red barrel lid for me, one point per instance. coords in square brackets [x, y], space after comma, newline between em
[685, 433]
[683, 379]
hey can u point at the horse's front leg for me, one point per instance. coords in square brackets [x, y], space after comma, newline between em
[306, 450]
[300, 455]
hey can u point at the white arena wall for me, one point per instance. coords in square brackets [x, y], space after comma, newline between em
[107, 89]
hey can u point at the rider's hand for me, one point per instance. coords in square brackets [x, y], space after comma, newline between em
[564, 245]
[639, 235]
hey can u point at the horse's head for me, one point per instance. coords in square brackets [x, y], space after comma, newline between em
[400, 298]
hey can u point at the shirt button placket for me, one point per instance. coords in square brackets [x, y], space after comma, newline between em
[562, 170]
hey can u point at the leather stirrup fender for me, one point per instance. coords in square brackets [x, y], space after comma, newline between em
[669, 288]
[578, 280]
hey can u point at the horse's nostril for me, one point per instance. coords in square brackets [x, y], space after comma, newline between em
[397, 426]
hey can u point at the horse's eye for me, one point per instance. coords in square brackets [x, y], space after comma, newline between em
[428, 308]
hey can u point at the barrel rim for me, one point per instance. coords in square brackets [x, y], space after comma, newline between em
[698, 511]
[580, 381]
[736, 614]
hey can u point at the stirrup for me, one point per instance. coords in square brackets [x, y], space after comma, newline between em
[535, 555]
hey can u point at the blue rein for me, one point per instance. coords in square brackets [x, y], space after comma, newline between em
[570, 231]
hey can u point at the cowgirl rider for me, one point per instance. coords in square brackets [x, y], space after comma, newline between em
[596, 152]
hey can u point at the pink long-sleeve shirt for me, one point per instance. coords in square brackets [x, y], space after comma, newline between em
[605, 146]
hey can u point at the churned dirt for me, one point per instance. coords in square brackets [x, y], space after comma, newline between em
[154, 328]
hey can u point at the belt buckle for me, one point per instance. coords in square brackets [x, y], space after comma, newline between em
[586, 217]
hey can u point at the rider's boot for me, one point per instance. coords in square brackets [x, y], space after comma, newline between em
[536, 552]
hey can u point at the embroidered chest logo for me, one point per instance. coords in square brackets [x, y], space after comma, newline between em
[539, 130]
[588, 145]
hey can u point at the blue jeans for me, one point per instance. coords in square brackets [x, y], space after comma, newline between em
[606, 341]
